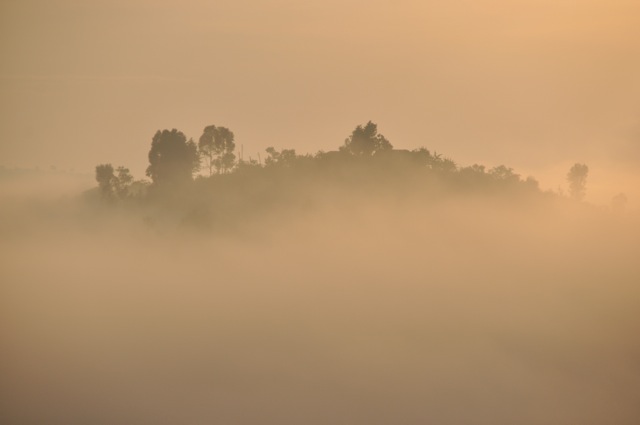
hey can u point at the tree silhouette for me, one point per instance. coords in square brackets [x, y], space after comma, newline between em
[285, 157]
[216, 146]
[172, 159]
[123, 181]
[113, 184]
[106, 180]
[504, 173]
[366, 161]
[439, 163]
[577, 178]
[366, 141]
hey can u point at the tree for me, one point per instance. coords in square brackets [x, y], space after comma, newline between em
[366, 141]
[113, 185]
[216, 146]
[504, 173]
[422, 156]
[106, 180]
[443, 164]
[123, 181]
[286, 157]
[172, 159]
[577, 178]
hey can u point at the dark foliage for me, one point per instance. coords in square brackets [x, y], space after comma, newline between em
[172, 159]
[577, 178]
[366, 141]
[216, 146]
[365, 165]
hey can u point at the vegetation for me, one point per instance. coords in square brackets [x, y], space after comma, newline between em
[216, 148]
[172, 159]
[229, 188]
[118, 184]
[365, 141]
[577, 178]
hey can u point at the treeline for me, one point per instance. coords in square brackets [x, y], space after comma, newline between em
[210, 179]
[175, 161]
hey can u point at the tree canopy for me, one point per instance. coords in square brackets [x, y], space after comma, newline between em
[366, 141]
[216, 147]
[114, 184]
[172, 159]
[105, 178]
[577, 178]
[366, 162]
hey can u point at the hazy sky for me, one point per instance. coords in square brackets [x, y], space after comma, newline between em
[534, 84]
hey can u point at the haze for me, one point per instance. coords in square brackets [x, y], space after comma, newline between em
[366, 309]
[413, 213]
[537, 84]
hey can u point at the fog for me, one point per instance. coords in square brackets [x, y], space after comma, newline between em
[357, 284]
[368, 306]
[533, 83]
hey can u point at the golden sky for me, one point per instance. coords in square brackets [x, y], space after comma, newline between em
[534, 84]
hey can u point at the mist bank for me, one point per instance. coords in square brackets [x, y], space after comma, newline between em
[358, 303]
[367, 285]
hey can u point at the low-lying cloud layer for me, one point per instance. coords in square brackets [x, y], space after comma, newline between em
[353, 309]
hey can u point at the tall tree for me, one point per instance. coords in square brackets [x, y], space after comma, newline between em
[106, 180]
[113, 184]
[577, 178]
[172, 159]
[123, 181]
[366, 141]
[216, 146]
